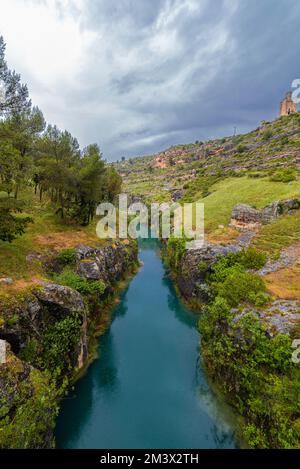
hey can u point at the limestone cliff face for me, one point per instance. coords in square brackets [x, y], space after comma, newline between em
[27, 324]
[279, 316]
[194, 266]
[108, 263]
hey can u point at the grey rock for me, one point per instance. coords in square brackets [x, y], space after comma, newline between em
[280, 317]
[60, 299]
[287, 257]
[177, 194]
[191, 278]
[89, 270]
[270, 212]
[243, 214]
[84, 252]
[34, 257]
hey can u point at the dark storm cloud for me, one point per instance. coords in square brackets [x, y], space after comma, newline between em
[154, 73]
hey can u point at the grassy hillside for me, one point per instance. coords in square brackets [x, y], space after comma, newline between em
[193, 168]
[47, 232]
[256, 168]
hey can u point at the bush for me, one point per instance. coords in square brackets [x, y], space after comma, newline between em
[239, 286]
[202, 266]
[231, 281]
[12, 226]
[267, 134]
[67, 256]
[284, 175]
[33, 419]
[60, 340]
[251, 258]
[241, 148]
[82, 285]
[258, 299]
[256, 373]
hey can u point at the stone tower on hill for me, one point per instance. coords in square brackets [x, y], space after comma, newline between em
[287, 106]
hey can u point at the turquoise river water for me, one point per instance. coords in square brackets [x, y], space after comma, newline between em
[147, 389]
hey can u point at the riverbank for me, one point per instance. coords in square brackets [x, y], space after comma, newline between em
[50, 334]
[247, 355]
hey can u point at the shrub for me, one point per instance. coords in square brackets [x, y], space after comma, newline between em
[202, 266]
[67, 256]
[33, 418]
[59, 341]
[239, 286]
[258, 299]
[251, 258]
[284, 175]
[267, 134]
[241, 148]
[256, 373]
[82, 285]
[231, 281]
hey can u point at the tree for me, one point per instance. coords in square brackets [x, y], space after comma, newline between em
[90, 184]
[10, 225]
[15, 94]
[47, 158]
[14, 101]
[22, 131]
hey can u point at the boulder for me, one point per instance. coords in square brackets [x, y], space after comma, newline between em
[60, 299]
[107, 263]
[177, 194]
[245, 216]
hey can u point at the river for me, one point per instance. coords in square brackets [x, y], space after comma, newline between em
[147, 389]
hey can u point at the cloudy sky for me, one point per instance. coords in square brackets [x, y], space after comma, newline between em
[138, 75]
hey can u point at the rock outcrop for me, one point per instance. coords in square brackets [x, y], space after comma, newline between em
[280, 317]
[107, 263]
[50, 308]
[195, 264]
[60, 300]
[244, 216]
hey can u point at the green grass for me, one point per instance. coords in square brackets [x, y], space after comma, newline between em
[231, 191]
[279, 234]
[13, 255]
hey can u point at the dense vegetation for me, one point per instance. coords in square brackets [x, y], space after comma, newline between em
[50, 161]
[254, 369]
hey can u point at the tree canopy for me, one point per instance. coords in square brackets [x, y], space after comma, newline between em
[34, 154]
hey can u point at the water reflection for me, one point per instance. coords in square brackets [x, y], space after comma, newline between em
[147, 388]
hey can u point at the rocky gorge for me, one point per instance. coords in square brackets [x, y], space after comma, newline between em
[49, 332]
[247, 333]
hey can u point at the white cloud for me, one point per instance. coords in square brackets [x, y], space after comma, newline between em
[113, 79]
